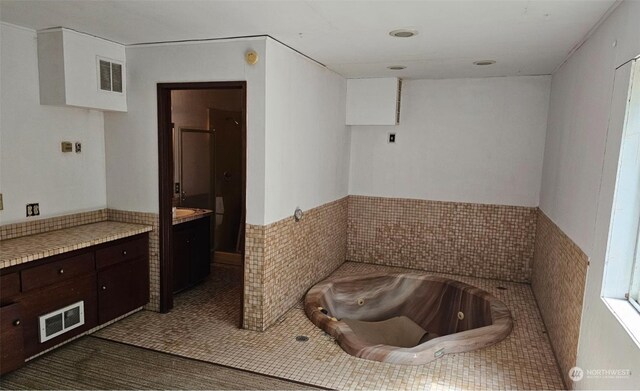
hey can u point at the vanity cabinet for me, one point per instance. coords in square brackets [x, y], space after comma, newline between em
[191, 253]
[109, 280]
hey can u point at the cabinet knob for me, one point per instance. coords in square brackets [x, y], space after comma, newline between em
[16, 322]
[104, 287]
[124, 252]
[61, 271]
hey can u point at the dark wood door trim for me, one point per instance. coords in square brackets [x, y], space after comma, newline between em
[165, 180]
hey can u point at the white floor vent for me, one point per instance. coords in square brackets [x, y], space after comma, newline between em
[60, 321]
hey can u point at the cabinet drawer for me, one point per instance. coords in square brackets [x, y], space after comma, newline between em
[9, 285]
[57, 271]
[123, 251]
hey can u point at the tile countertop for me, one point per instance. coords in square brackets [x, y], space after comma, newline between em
[32, 247]
[199, 213]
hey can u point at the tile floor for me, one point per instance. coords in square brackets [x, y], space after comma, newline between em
[203, 326]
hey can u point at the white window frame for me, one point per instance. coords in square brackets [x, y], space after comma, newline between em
[622, 221]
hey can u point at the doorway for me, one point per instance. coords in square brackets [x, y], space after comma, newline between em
[202, 165]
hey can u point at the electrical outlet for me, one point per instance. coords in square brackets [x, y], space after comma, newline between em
[33, 209]
[176, 188]
[78, 147]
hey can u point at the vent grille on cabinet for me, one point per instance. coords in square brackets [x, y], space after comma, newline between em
[110, 75]
[60, 321]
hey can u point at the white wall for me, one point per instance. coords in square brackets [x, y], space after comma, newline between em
[464, 140]
[579, 117]
[32, 167]
[307, 141]
[132, 137]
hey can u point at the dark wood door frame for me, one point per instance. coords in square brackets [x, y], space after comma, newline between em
[165, 179]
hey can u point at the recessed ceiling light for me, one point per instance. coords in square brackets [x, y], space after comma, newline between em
[484, 62]
[403, 33]
[396, 67]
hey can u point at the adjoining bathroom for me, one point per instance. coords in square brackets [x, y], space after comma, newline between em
[208, 181]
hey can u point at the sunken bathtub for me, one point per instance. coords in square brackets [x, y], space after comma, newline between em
[406, 318]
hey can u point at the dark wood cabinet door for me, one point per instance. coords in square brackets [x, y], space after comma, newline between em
[191, 253]
[181, 258]
[11, 338]
[122, 288]
[200, 251]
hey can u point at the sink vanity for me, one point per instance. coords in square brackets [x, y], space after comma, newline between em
[191, 247]
[59, 284]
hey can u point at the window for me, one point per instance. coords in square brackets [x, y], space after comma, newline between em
[622, 274]
[629, 176]
[634, 290]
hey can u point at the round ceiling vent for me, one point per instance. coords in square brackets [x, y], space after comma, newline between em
[403, 33]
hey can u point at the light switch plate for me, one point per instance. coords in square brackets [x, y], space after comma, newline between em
[66, 146]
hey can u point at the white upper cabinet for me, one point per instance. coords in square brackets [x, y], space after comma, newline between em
[81, 70]
[373, 101]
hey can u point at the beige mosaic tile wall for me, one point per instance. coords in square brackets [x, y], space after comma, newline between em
[252, 317]
[10, 231]
[151, 219]
[299, 254]
[284, 259]
[558, 282]
[489, 241]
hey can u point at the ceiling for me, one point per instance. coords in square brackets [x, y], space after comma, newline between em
[349, 37]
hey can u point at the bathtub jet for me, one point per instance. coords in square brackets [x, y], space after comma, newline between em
[406, 318]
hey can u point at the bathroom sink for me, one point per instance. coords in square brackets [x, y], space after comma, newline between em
[180, 212]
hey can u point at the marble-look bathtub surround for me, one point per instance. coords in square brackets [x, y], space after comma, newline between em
[151, 219]
[10, 231]
[559, 276]
[285, 258]
[488, 241]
